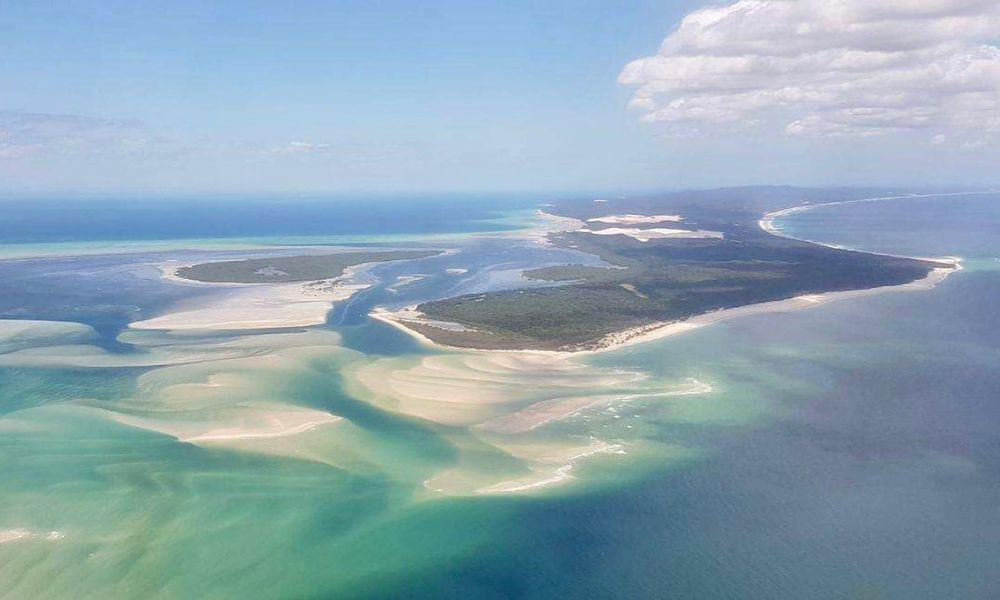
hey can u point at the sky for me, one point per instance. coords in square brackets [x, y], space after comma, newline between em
[556, 96]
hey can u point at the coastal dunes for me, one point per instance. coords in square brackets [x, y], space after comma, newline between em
[653, 233]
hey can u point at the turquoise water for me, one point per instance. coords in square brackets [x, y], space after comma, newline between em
[86, 226]
[844, 451]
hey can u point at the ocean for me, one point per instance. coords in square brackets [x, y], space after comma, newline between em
[844, 451]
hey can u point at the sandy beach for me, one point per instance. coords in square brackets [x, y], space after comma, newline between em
[656, 331]
[252, 424]
[256, 305]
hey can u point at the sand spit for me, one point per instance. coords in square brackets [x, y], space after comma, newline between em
[252, 424]
[404, 280]
[257, 306]
[410, 314]
[551, 467]
[545, 465]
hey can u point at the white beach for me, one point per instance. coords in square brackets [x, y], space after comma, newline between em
[256, 305]
[644, 235]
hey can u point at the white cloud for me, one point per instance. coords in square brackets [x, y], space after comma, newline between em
[827, 68]
[27, 134]
[302, 148]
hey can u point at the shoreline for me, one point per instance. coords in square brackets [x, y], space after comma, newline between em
[251, 306]
[656, 331]
[766, 222]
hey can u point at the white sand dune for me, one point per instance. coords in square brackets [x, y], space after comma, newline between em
[549, 224]
[635, 219]
[644, 235]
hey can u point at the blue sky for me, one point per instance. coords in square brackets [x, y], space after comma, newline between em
[393, 96]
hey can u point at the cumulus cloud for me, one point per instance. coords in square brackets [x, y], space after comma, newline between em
[827, 68]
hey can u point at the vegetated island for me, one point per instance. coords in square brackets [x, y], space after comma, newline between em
[671, 258]
[286, 269]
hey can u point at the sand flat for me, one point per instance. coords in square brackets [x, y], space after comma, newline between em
[558, 409]
[258, 306]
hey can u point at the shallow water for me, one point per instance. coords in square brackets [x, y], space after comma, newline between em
[844, 451]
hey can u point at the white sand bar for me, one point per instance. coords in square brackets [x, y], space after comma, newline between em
[246, 306]
[261, 306]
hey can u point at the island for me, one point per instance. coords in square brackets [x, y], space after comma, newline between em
[286, 269]
[668, 258]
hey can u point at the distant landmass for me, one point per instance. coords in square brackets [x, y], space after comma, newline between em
[291, 268]
[669, 258]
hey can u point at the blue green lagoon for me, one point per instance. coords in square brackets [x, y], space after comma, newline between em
[306, 450]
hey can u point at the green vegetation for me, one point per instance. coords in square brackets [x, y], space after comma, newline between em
[291, 268]
[661, 280]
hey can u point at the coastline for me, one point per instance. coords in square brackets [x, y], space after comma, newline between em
[656, 331]
[766, 222]
[256, 305]
[660, 330]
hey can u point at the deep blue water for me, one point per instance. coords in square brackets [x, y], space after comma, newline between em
[44, 220]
